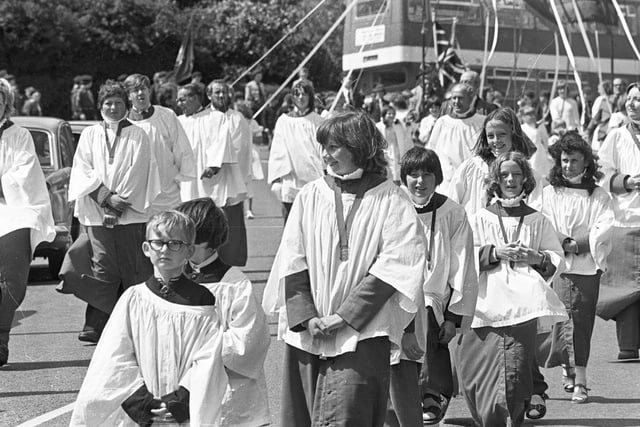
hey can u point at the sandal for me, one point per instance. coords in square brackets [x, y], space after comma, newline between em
[432, 410]
[536, 408]
[580, 394]
[568, 383]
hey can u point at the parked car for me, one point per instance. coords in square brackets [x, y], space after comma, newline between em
[77, 126]
[55, 147]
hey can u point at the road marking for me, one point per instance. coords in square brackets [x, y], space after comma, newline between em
[48, 416]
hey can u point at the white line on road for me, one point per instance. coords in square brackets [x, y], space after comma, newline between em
[48, 416]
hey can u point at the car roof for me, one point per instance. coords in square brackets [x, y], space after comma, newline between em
[49, 123]
[78, 125]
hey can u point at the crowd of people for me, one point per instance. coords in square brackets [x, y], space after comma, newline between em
[432, 246]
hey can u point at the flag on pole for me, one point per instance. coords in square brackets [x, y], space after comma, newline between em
[449, 64]
[184, 61]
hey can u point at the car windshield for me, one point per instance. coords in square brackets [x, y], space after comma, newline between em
[41, 142]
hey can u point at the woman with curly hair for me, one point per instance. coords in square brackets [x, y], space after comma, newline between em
[346, 281]
[581, 213]
[519, 255]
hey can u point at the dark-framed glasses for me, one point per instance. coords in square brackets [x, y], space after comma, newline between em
[173, 245]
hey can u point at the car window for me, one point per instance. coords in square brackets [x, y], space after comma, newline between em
[67, 144]
[41, 142]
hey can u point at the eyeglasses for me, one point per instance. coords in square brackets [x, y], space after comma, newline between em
[173, 245]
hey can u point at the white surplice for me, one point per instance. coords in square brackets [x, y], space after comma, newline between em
[398, 143]
[296, 156]
[468, 188]
[386, 240]
[163, 345]
[453, 140]
[210, 135]
[173, 154]
[245, 342]
[453, 278]
[574, 213]
[26, 201]
[133, 174]
[619, 155]
[509, 295]
[242, 141]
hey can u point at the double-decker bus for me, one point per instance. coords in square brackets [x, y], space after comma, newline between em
[390, 50]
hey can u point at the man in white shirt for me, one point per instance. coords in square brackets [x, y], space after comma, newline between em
[563, 107]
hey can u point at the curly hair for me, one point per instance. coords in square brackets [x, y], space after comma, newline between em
[572, 142]
[112, 88]
[519, 139]
[492, 182]
[359, 134]
[211, 225]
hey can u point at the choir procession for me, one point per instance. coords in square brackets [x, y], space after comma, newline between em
[434, 243]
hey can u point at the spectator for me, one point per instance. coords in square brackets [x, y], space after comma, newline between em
[564, 107]
[32, 106]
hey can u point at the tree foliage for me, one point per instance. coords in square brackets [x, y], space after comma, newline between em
[45, 43]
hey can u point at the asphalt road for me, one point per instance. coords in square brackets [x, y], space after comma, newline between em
[47, 363]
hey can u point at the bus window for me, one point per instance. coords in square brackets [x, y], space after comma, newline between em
[41, 144]
[368, 8]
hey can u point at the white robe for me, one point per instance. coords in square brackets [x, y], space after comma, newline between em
[468, 188]
[453, 140]
[173, 155]
[242, 141]
[26, 202]
[453, 278]
[395, 148]
[511, 295]
[386, 241]
[161, 344]
[540, 161]
[132, 175]
[245, 341]
[573, 213]
[210, 135]
[296, 155]
[619, 155]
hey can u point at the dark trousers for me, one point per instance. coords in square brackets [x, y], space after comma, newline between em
[349, 390]
[234, 252]
[436, 376]
[405, 400]
[15, 258]
[628, 327]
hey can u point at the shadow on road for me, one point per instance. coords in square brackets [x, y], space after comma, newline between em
[21, 315]
[30, 366]
[37, 393]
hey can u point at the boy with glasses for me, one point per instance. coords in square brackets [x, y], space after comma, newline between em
[159, 358]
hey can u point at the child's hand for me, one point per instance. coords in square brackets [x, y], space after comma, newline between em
[410, 346]
[332, 323]
[162, 415]
[316, 327]
[447, 332]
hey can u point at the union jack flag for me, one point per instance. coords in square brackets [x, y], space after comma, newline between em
[449, 64]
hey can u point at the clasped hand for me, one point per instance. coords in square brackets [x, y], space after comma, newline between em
[118, 203]
[518, 252]
[321, 327]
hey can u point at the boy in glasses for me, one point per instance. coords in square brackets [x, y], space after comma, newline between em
[159, 358]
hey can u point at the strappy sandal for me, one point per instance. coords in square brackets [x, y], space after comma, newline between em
[580, 394]
[537, 407]
[568, 383]
[432, 410]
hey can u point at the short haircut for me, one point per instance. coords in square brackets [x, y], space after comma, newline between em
[112, 88]
[385, 109]
[572, 142]
[134, 82]
[466, 89]
[424, 159]
[173, 221]
[307, 87]
[194, 89]
[211, 225]
[493, 179]
[519, 139]
[359, 134]
[8, 97]
[220, 82]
